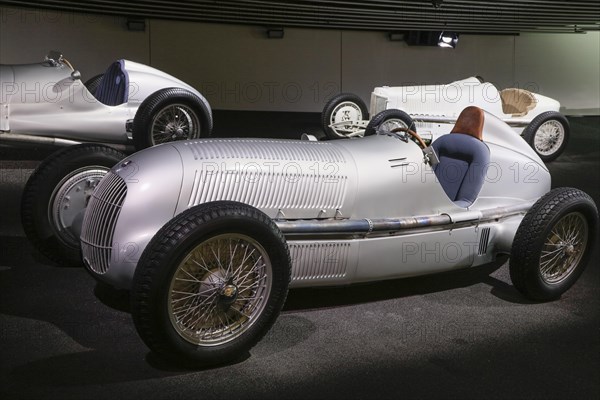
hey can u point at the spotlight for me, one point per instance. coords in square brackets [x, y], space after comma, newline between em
[448, 39]
[275, 33]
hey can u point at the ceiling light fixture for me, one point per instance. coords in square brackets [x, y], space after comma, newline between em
[448, 39]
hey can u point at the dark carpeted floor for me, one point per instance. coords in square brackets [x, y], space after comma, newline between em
[461, 335]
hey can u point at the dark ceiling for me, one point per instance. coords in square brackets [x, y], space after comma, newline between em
[384, 15]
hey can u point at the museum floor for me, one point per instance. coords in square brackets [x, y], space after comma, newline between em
[466, 334]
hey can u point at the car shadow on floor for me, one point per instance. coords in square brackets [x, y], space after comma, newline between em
[330, 297]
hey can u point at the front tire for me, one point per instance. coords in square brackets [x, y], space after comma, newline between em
[171, 114]
[548, 134]
[210, 283]
[57, 192]
[553, 244]
[343, 107]
[387, 120]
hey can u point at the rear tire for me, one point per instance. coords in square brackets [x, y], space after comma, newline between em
[190, 303]
[57, 192]
[343, 107]
[553, 244]
[171, 114]
[548, 134]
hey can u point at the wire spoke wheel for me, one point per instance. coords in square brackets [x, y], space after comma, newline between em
[548, 134]
[175, 122]
[210, 283]
[564, 248]
[391, 124]
[219, 289]
[549, 137]
[388, 120]
[553, 244]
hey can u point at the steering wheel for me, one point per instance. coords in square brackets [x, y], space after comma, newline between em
[414, 135]
[68, 64]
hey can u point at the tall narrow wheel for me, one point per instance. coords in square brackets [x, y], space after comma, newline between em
[210, 283]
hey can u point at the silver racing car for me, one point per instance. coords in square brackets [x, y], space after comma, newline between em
[48, 102]
[210, 234]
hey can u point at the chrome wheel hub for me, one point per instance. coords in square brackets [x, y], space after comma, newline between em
[228, 295]
[70, 197]
[346, 111]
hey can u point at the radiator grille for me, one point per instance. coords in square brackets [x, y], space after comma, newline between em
[100, 221]
[269, 190]
[316, 261]
[261, 149]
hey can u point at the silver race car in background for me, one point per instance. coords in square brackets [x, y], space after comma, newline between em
[431, 110]
[209, 234]
[48, 102]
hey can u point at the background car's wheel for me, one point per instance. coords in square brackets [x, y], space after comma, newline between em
[553, 244]
[210, 283]
[343, 107]
[388, 120]
[171, 114]
[548, 134]
[56, 193]
[93, 83]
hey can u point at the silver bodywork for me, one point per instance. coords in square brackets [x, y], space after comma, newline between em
[48, 100]
[351, 210]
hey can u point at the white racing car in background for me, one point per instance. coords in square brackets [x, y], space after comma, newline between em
[48, 102]
[431, 110]
[209, 234]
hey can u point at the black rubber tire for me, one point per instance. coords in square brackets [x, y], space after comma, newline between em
[531, 129]
[162, 257]
[524, 265]
[142, 122]
[38, 192]
[387, 115]
[93, 83]
[330, 106]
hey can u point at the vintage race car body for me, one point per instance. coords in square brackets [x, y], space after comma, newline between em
[349, 209]
[436, 107]
[208, 235]
[49, 100]
[432, 110]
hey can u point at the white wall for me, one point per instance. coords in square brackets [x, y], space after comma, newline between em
[238, 68]
[564, 67]
[89, 42]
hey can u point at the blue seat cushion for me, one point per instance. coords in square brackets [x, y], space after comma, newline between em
[462, 167]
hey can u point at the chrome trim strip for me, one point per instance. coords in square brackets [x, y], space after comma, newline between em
[364, 227]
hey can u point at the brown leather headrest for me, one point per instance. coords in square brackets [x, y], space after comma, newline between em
[470, 122]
